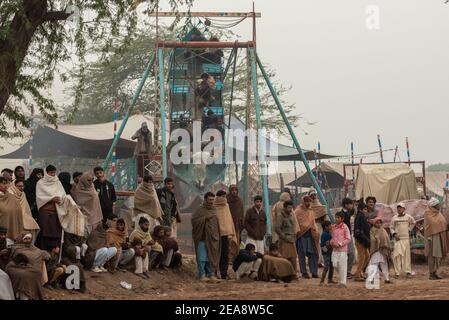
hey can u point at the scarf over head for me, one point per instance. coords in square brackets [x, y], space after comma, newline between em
[306, 221]
[205, 228]
[318, 209]
[11, 215]
[277, 209]
[70, 216]
[146, 201]
[33, 253]
[116, 237]
[225, 221]
[28, 222]
[144, 238]
[30, 186]
[380, 241]
[166, 242]
[87, 199]
[434, 222]
[97, 239]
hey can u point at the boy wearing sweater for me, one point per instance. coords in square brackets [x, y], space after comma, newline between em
[339, 243]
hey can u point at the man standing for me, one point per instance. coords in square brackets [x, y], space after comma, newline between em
[400, 227]
[320, 216]
[169, 205]
[308, 238]
[286, 230]
[144, 140]
[348, 211]
[227, 231]
[256, 225]
[436, 237]
[362, 240]
[106, 193]
[236, 207]
[206, 237]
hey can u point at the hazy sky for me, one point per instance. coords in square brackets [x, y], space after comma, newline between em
[357, 82]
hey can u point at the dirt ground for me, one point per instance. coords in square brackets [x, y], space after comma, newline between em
[183, 284]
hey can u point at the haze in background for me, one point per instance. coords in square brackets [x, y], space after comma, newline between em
[356, 82]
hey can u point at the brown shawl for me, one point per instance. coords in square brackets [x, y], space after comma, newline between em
[226, 223]
[236, 207]
[380, 241]
[144, 238]
[116, 238]
[28, 222]
[146, 201]
[318, 209]
[205, 228]
[434, 222]
[87, 199]
[275, 267]
[11, 215]
[96, 240]
[26, 280]
[306, 221]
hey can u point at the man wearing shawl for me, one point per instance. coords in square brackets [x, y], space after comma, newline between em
[236, 207]
[400, 226]
[277, 210]
[172, 258]
[26, 280]
[10, 211]
[146, 203]
[227, 231]
[206, 237]
[436, 237]
[29, 224]
[98, 251]
[320, 212]
[274, 266]
[117, 236]
[379, 251]
[87, 200]
[30, 190]
[308, 237]
[144, 245]
[6, 291]
[286, 229]
[57, 210]
[36, 257]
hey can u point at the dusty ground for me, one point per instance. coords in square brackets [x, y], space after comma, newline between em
[183, 285]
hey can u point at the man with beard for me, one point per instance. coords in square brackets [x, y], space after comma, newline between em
[206, 237]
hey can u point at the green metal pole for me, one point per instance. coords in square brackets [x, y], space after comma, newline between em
[261, 144]
[162, 110]
[128, 112]
[295, 140]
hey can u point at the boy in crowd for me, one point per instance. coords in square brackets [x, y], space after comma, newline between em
[326, 251]
[339, 243]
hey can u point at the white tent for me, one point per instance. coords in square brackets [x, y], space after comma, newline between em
[389, 183]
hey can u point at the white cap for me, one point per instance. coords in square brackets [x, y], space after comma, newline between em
[401, 204]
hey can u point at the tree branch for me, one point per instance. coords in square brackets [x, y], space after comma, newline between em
[56, 16]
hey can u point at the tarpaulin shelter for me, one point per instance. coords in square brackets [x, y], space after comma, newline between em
[389, 183]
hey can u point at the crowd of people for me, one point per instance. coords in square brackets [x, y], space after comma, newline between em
[303, 239]
[48, 223]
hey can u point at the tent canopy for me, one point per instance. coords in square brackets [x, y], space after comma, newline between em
[93, 141]
[331, 174]
[389, 183]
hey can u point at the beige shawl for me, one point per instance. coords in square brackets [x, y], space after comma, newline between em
[277, 209]
[11, 215]
[70, 216]
[87, 199]
[318, 209]
[306, 221]
[225, 222]
[434, 222]
[146, 201]
[28, 222]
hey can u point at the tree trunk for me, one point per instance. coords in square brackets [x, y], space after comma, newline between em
[15, 46]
